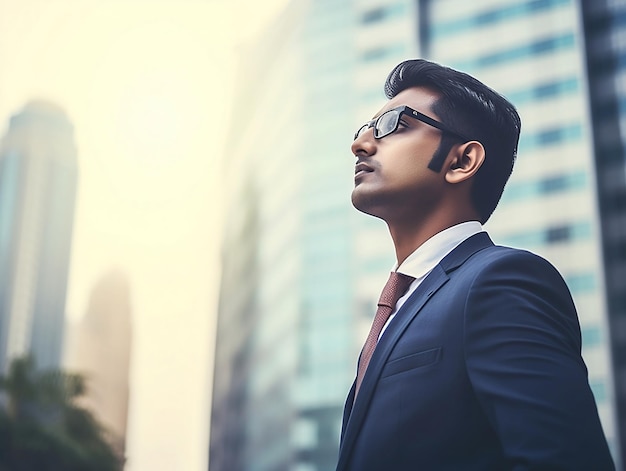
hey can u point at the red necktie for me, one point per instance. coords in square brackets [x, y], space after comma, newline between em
[394, 289]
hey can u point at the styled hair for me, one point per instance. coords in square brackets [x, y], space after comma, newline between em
[470, 107]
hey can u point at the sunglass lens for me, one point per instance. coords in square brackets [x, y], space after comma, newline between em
[361, 130]
[387, 123]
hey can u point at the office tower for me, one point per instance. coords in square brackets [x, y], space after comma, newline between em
[99, 347]
[38, 172]
[285, 353]
[605, 26]
[289, 336]
[550, 205]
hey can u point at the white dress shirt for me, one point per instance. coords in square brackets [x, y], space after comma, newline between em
[428, 255]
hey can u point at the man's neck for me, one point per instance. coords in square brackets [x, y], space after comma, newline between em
[407, 239]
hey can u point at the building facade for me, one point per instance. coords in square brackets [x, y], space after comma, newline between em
[98, 346]
[38, 173]
[605, 29]
[313, 266]
[550, 205]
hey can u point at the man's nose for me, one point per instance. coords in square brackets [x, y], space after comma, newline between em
[365, 143]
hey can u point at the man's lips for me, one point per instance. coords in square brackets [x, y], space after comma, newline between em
[362, 168]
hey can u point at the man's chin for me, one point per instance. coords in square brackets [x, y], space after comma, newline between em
[366, 203]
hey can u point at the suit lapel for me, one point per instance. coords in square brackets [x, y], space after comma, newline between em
[354, 414]
[353, 419]
[347, 410]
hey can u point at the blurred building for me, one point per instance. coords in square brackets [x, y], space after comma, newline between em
[38, 173]
[605, 31]
[302, 269]
[99, 346]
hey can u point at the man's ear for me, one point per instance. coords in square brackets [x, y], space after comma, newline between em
[465, 161]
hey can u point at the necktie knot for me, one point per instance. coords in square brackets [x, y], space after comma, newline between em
[396, 286]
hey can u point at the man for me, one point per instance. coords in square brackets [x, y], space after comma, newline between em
[478, 365]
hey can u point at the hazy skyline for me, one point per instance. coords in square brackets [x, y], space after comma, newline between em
[147, 85]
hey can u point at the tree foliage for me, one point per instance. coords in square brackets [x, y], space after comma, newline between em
[43, 429]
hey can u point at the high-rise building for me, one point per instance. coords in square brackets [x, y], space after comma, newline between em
[302, 269]
[38, 173]
[605, 26]
[550, 205]
[98, 346]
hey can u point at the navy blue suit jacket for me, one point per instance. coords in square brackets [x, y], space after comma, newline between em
[479, 370]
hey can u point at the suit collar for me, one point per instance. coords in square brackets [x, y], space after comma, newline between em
[465, 250]
[429, 254]
[354, 414]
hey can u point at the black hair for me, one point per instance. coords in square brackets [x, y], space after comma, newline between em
[473, 109]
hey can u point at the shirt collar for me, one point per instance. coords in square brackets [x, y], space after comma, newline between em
[431, 252]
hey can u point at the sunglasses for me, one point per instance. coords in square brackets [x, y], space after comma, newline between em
[387, 123]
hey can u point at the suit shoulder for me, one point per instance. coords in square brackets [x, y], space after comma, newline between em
[504, 254]
[498, 259]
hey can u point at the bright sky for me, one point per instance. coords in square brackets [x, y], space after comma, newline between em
[147, 85]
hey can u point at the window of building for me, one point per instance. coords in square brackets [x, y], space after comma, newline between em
[536, 48]
[581, 282]
[547, 186]
[554, 184]
[577, 231]
[558, 234]
[556, 88]
[304, 434]
[374, 15]
[592, 336]
[544, 91]
[382, 13]
[383, 52]
[599, 390]
[549, 137]
[494, 16]
[524, 239]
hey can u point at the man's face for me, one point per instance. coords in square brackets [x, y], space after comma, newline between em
[392, 179]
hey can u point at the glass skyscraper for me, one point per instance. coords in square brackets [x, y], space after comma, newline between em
[550, 205]
[38, 173]
[302, 269]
